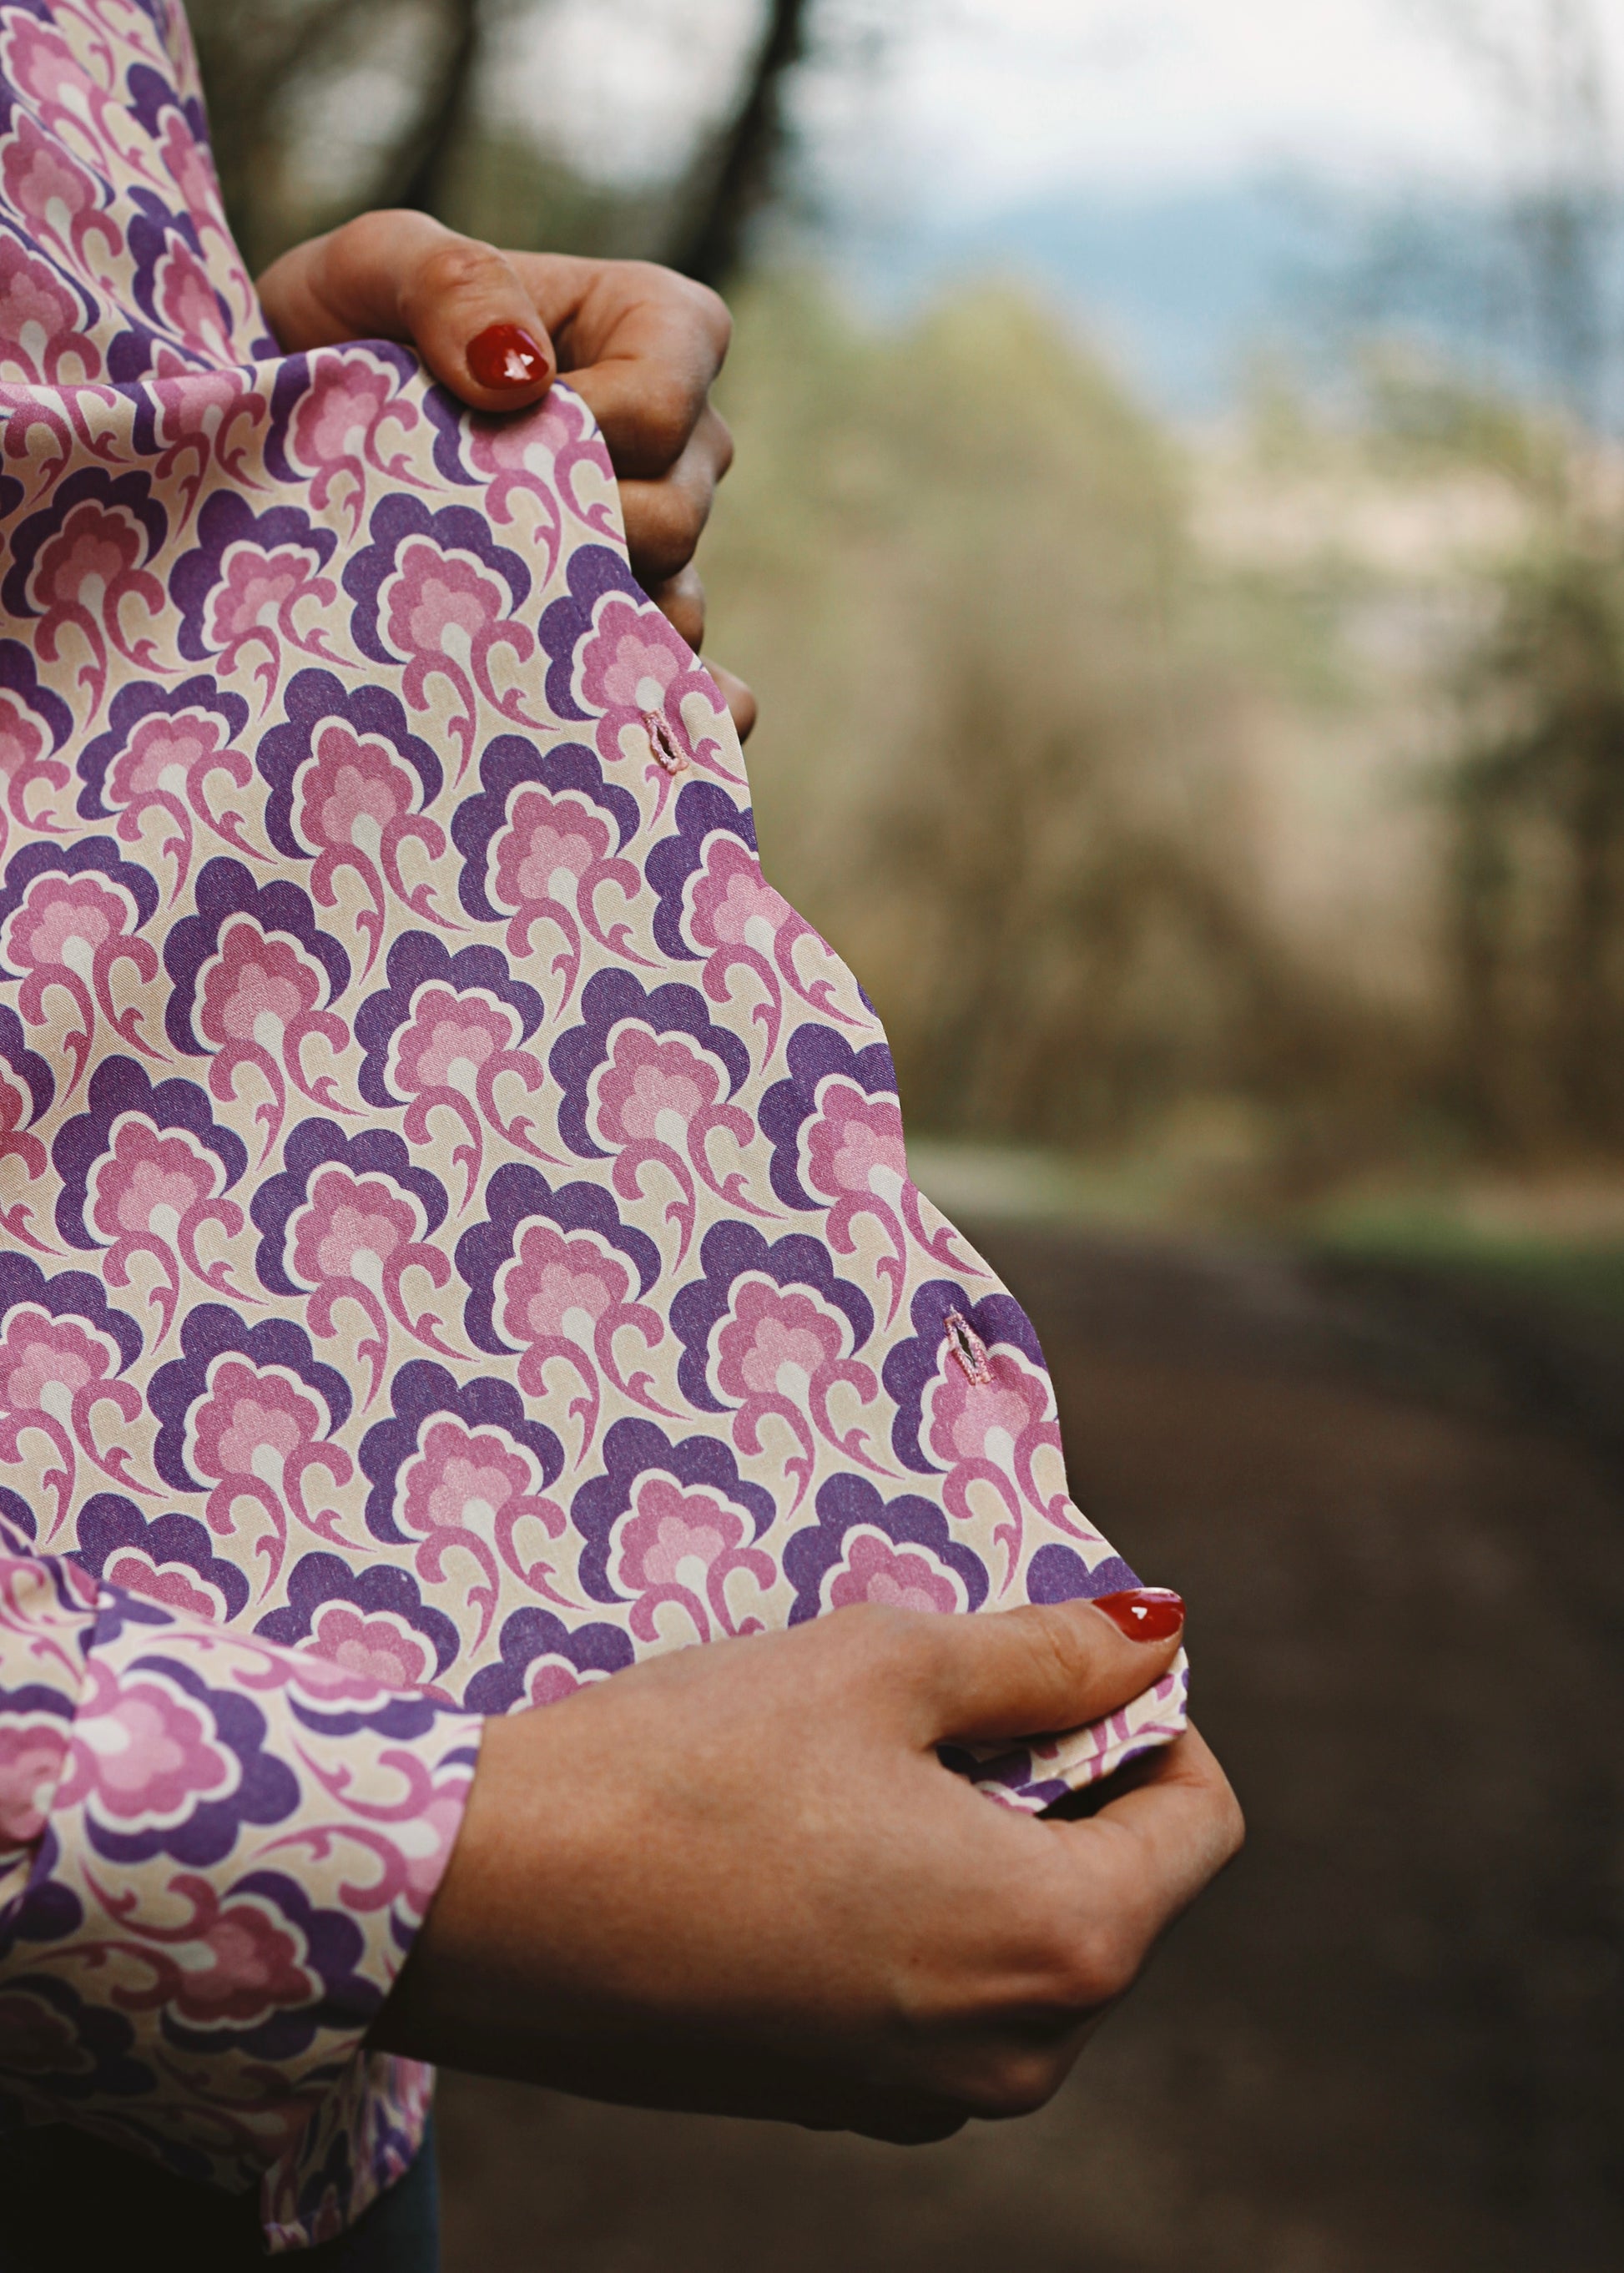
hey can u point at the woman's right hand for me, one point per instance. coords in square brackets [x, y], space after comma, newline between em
[737, 1879]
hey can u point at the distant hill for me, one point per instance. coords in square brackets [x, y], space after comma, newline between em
[1183, 286]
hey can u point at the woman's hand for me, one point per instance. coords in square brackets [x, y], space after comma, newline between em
[737, 1878]
[639, 344]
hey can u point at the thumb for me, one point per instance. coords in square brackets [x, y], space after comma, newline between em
[1023, 1673]
[402, 276]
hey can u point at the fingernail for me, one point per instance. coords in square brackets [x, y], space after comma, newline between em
[1144, 1613]
[504, 355]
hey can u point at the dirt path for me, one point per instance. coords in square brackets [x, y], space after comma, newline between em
[1392, 2041]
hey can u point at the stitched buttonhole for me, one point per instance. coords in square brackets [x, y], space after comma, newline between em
[664, 742]
[968, 1347]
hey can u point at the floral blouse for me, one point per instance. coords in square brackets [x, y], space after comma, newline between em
[454, 1228]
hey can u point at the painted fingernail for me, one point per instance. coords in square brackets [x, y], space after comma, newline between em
[504, 355]
[1144, 1613]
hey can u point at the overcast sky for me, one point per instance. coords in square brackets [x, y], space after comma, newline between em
[976, 103]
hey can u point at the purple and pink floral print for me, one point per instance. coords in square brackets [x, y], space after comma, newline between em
[455, 1233]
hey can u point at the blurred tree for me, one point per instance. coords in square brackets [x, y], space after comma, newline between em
[1539, 786]
[397, 86]
[1003, 757]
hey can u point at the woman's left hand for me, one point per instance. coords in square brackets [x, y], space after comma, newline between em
[640, 344]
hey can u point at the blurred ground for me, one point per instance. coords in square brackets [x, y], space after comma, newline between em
[1391, 2041]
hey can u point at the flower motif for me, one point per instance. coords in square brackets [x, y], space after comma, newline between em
[464, 1489]
[245, 1415]
[255, 1423]
[27, 1091]
[71, 104]
[348, 781]
[379, 1648]
[34, 1747]
[250, 971]
[642, 1080]
[168, 1560]
[770, 1330]
[538, 453]
[143, 1752]
[671, 1523]
[57, 196]
[560, 1298]
[42, 336]
[151, 1193]
[70, 916]
[79, 563]
[714, 902]
[863, 1549]
[150, 1169]
[174, 285]
[440, 1036]
[543, 1660]
[971, 1385]
[330, 410]
[682, 1547]
[231, 1963]
[550, 861]
[435, 594]
[157, 756]
[359, 1631]
[836, 1126]
[62, 1349]
[545, 1277]
[34, 724]
[345, 1221]
[536, 847]
[258, 1005]
[255, 581]
[875, 1572]
[614, 657]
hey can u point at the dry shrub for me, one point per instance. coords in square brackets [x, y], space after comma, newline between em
[1003, 764]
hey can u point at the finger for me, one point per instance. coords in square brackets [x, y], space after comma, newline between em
[1021, 1673]
[475, 326]
[741, 705]
[682, 601]
[640, 344]
[403, 276]
[664, 519]
[1143, 1859]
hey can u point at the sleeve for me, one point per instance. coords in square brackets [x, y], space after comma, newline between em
[214, 1854]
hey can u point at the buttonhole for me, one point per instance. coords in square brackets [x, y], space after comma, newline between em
[664, 742]
[968, 1347]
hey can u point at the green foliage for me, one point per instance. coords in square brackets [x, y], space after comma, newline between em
[1539, 867]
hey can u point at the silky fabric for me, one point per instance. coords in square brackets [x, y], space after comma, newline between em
[456, 1233]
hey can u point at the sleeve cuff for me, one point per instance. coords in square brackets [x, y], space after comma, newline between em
[242, 1843]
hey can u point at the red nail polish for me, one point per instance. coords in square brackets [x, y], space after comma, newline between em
[504, 355]
[1144, 1613]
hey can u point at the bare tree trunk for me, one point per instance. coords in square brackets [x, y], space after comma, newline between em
[743, 170]
[414, 172]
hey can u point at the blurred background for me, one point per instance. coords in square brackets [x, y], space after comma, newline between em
[1177, 538]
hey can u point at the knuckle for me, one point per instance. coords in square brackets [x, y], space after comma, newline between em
[1058, 1650]
[706, 308]
[461, 266]
[1095, 1965]
[664, 415]
[1013, 2083]
[876, 1634]
[670, 523]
